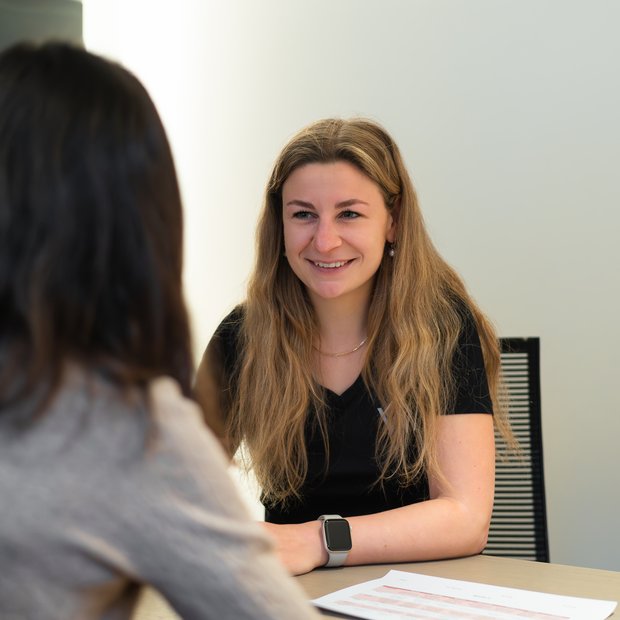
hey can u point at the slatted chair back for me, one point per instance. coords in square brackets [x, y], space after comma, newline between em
[519, 522]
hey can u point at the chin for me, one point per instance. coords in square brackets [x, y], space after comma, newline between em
[327, 293]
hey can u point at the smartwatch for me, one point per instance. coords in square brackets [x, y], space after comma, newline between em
[336, 538]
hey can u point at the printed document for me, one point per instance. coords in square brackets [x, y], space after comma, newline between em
[404, 596]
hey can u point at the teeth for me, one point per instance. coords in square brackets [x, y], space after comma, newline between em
[331, 265]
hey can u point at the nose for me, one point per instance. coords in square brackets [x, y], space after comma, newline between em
[326, 237]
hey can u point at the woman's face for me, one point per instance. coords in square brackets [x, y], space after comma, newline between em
[336, 226]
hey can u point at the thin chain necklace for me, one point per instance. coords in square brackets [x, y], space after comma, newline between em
[357, 348]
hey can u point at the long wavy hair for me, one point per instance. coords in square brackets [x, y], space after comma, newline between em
[414, 322]
[90, 227]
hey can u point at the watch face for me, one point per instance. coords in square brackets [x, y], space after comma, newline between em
[337, 535]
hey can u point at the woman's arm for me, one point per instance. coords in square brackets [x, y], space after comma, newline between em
[211, 393]
[186, 531]
[453, 522]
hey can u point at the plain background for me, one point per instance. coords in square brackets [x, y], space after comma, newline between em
[508, 116]
[40, 19]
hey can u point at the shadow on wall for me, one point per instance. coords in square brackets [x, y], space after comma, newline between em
[38, 20]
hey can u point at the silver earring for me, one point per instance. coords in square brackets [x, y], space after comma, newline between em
[391, 251]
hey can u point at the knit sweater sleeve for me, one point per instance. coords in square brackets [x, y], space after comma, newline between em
[187, 532]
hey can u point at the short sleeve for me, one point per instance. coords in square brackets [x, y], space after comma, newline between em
[226, 339]
[470, 378]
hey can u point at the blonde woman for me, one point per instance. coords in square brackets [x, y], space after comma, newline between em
[359, 377]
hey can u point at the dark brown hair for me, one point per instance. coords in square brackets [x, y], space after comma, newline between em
[90, 225]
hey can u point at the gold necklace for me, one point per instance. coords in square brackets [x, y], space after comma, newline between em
[357, 348]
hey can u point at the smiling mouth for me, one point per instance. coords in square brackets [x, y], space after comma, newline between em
[333, 265]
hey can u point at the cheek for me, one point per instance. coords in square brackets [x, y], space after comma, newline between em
[286, 237]
[294, 262]
[291, 248]
[380, 239]
[294, 238]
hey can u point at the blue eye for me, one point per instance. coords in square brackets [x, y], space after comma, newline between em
[303, 215]
[349, 215]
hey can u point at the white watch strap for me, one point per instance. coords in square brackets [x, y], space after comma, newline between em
[336, 558]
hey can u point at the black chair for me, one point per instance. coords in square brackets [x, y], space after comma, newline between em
[519, 522]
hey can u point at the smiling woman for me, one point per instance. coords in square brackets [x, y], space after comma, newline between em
[335, 230]
[339, 375]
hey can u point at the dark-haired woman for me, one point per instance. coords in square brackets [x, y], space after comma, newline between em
[108, 477]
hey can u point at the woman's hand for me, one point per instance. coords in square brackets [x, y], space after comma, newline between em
[299, 546]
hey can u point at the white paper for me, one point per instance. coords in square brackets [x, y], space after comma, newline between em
[403, 596]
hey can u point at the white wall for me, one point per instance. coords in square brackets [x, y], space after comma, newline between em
[508, 114]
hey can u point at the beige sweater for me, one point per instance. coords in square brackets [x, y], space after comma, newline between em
[102, 495]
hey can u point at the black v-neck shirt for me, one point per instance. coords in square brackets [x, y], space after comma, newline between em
[348, 485]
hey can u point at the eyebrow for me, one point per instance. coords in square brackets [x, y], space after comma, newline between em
[344, 204]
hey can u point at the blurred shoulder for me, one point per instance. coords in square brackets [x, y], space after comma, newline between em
[179, 419]
[169, 407]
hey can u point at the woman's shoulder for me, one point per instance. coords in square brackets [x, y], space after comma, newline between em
[167, 401]
[225, 343]
[469, 330]
[229, 328]
[177, 417]
[468, 366]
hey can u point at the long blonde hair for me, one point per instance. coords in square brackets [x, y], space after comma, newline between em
[415, 318]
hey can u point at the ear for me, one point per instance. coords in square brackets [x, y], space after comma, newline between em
[392, 221]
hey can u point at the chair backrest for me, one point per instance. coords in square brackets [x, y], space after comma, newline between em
[519, 522]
